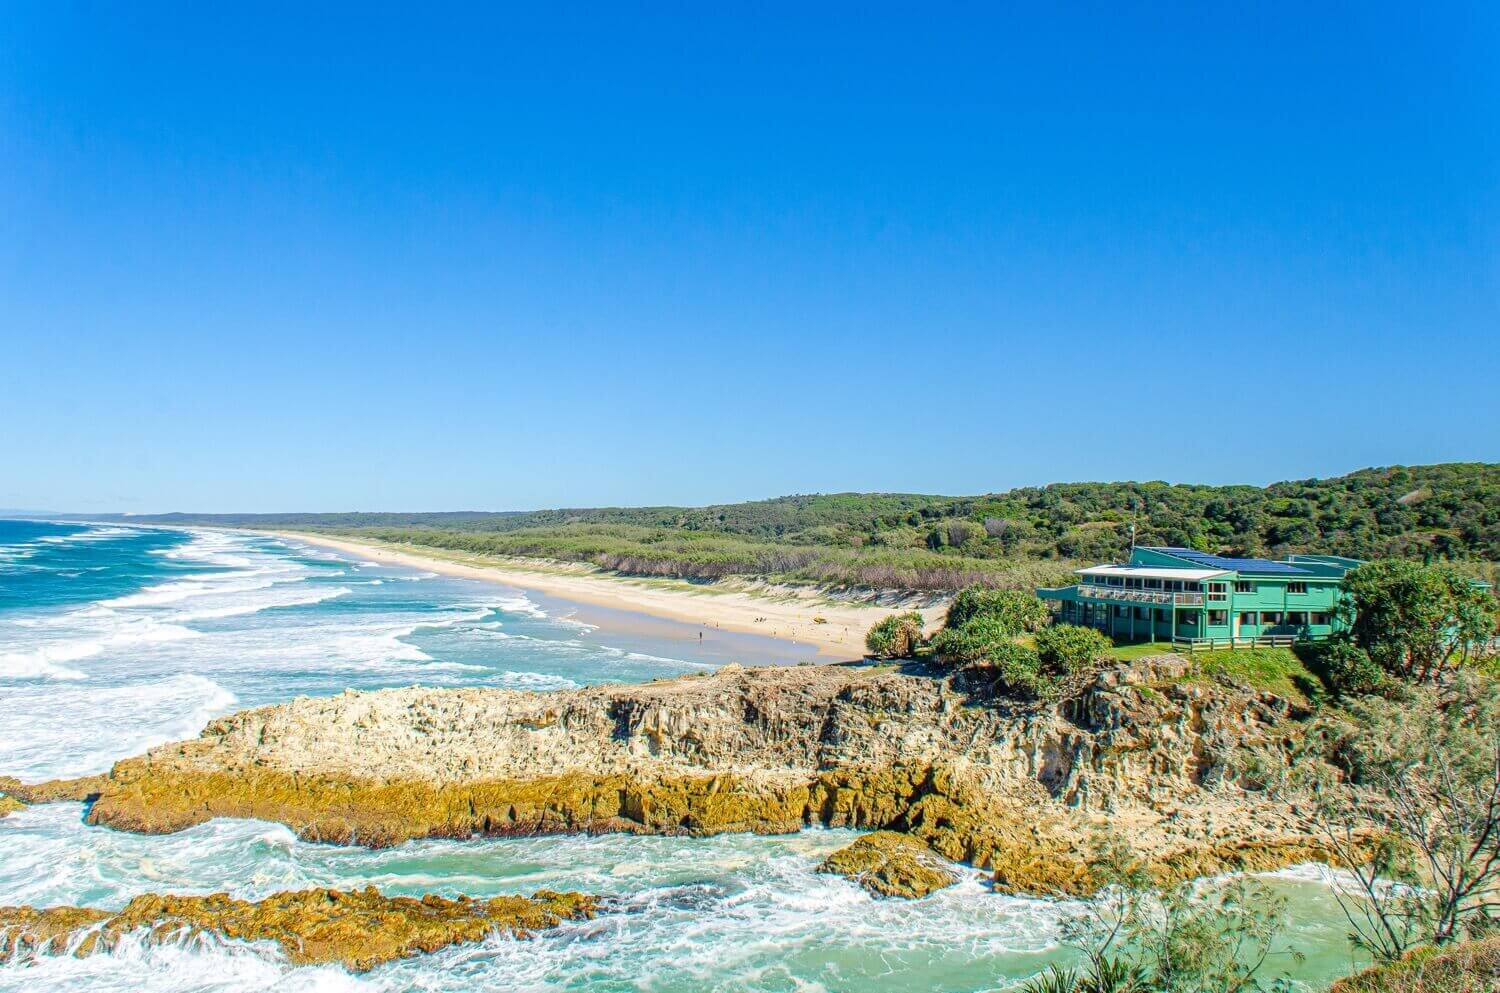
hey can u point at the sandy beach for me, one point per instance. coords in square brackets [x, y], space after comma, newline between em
[836, 628]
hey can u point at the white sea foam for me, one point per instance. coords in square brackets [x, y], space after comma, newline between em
[55, 641]
[533, 681]
[92, 534]
[75, 728]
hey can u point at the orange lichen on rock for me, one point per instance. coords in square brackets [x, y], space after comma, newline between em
[359, 928]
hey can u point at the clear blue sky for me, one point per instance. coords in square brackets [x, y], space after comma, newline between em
[404, 259]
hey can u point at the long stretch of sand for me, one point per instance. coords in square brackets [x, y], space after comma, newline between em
[787, 613]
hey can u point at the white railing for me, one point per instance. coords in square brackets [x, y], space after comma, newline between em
[1213, 644]
[1141, 596]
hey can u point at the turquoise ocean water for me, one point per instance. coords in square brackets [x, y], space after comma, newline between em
[114, 638]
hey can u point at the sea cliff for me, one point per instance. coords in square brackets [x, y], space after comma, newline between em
[1025, 792]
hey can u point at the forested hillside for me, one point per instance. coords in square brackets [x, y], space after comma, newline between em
[1020, 536]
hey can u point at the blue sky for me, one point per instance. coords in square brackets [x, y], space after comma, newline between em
[376, 258]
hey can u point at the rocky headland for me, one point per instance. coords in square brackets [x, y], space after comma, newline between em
[1142, 753]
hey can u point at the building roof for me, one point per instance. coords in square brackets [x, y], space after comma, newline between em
[1151, 572]
[1262, 567]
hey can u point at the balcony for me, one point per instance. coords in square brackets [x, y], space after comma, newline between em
[1162, 598]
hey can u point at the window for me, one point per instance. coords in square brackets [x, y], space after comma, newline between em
[1119, 611]
[1296, 617]
[1187, 620]
[1140, 613]
[1153, 584]
[1296, 588]
[1218, 617]
[1218, 591]
[1248, 619]
[1320, 617]
[1244, 586]
[1270, 618]
[1159, 615]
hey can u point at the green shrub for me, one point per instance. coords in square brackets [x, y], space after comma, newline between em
[1418, 622]
[978, 640]
[895, 637]
[1069, 649]
[1018, 672]
[1349, 669]
[1019, 610]
[989, 652]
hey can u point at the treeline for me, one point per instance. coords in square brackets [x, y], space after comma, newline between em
[1449, 511]
[642, 551]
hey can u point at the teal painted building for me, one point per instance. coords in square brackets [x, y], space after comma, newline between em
[1183, 595]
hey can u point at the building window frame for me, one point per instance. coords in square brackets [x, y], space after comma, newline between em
[1296, 589]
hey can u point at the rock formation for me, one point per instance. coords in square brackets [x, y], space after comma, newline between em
[888, 863]
[359, 928]
[53, 790]
[1022, 791]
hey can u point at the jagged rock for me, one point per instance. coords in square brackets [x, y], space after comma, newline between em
[888, 863]
[1019, 792]
[53, 790]
[360, 928]
[9, 805]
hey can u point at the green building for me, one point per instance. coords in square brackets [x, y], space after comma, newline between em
[1186, 596]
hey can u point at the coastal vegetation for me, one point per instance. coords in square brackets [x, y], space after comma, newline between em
[1138, 937]
[1021, 538]
[1472, 967]
[896, 637]
[1399, 763]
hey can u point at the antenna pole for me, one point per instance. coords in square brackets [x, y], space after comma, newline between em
[1132, 527]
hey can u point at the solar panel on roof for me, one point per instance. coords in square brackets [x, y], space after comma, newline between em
[1238, 565]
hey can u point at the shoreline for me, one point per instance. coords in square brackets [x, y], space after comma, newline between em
[788, 616]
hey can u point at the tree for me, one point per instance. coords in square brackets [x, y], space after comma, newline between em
[1018, 610]
[1185, 939]
[1418, 821]
[1071, 649]
[1417, 622]
[1349, 670]
[896, 636]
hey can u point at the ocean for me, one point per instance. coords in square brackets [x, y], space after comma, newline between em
[114, 638]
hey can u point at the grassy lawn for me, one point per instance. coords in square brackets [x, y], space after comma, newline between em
[1129, 653]
[1277, 670]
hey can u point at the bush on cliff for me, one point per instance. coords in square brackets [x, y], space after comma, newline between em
[1471, 967]
[1019, 672]
[1018, 610]
[980, 639]
[1349, 670]
[987, 650]
[1070, 649]
[895, 637]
